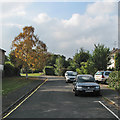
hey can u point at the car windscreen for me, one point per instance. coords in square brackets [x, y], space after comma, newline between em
[71, 74]
[99, 73]
[85, 79]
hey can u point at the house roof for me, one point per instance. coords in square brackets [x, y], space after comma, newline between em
[2, 50]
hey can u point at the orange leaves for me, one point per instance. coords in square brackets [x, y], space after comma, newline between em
[29, 49]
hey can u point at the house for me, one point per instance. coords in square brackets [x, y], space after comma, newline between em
[2, 58]
[112, 58]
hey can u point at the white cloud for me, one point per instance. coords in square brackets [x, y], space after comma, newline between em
[64, 36]
[97, 25]
[13, 25]
[102, 8]
[42, 18]
[10, 10]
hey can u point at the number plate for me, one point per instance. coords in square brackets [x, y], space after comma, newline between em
[89, 91]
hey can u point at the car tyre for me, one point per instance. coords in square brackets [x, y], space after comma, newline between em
[98, 93]
[76, 93]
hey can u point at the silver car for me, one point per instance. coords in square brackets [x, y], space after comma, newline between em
[70, 76]
[86, 84]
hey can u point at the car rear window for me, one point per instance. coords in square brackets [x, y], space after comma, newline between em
[99, 73]
[107, 73]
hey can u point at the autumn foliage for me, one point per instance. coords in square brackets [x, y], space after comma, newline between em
[29, 50]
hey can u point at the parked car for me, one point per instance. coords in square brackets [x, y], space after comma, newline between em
[102, 76]
[86, 84]
[70, 76]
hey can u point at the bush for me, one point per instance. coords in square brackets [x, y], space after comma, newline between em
[114, 80]
[60, 71]
[10, 70]
[49, 70]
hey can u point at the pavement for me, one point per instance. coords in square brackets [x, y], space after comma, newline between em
[109, 95]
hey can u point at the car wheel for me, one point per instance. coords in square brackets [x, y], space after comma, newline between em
[76, 93]
[98, 93]
[105, 82]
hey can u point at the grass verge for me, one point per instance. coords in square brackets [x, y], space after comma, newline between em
[10, 84]
[32, 74]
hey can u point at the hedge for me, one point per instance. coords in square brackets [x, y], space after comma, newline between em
[49, 70]
[10, 70]
[114, 80]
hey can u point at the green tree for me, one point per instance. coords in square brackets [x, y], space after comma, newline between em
[86, 68]
[117, 61]
[60, 65]
[52, 60]
[6, 58]
[100, 57]
[71, 65]
[29, 49]
[81, 56]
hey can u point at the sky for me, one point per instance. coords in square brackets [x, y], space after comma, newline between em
[64, 27]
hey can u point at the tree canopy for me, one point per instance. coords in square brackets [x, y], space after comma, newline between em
[117, 61]
[81, 56]
[101, 57]
[31, 51]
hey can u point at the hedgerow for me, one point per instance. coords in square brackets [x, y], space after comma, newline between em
[114, 80]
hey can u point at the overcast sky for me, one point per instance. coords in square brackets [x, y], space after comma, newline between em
[65, 27]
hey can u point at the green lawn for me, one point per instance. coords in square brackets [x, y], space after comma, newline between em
[32, 74]
[10, 84]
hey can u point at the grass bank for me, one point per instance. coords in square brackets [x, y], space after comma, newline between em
[32, 74]
[10, 84]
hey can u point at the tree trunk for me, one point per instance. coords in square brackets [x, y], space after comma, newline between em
[26, 73]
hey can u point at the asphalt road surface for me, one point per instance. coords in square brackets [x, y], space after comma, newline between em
[55, 99]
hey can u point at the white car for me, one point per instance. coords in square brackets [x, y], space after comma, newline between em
[102, 76]
[70, 76]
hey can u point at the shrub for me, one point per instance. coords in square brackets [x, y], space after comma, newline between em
[10, 70]
[49, 70]
[114, 80]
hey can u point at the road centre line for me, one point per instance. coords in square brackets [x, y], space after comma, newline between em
[24, 100]
[108, 109]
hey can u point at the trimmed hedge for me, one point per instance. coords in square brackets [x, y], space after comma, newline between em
[114, 80]
[10, 70]
[49, 70]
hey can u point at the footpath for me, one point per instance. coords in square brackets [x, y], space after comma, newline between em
[111, 96]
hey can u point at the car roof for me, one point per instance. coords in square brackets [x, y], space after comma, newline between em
[69, 71]
[104, 71]
[84, 75]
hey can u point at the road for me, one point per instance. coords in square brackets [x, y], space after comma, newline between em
[55, 99]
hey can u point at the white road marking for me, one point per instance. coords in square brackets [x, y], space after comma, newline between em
[108, 109]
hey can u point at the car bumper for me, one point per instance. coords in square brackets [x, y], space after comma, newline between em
[88, 91]
[71, 80]
[100, 80]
